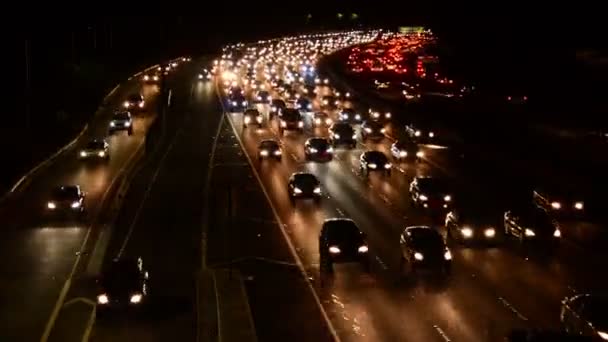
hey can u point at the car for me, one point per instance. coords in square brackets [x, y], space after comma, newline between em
[477, 221]
[329, 101]
[378, 115]
[372, 130]
[152, 77]
[290, 119]
[431, 192]
[262, 96]
[374, 161]
[304, 185]
[276, 106]
[256, 84]
[303, 104]
[529, 223]
[561, 202]
[342, 134]
[235, 91]
[318, 149]
[237, 103]
[406, 150]
[204, 75]
[349, 115]
[309, 90]
[122, 285]
[341, 241]
[66, 199]
[423, 248]
[121, 121]
[540, 335]
[97, 148]
[585, 315]
[269, 148]
[321, 119]
[134, 101]
[418, 134]
[252, 116]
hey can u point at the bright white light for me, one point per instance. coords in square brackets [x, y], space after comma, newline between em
[466, 232]
[136, 298]
[557, 233]
[418, 256]
[579, 205]
[334, 250]
[83, 154]
[102, 299]
[317, 190]
[556, 205]
[490, 232]
[447, 198]
[297, 190]
[423, 197]
[419, 154]
[447, 255]
[372, 166]
[75, 204]
[363, 249]
[51, 205]
[529, 232]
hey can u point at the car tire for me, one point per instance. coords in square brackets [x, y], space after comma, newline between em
[353, 145]
[389, 172]
[279, 158]
[130, 131]
[317, 199]
[292, 200]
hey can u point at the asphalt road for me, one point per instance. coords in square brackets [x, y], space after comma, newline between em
[492, 290]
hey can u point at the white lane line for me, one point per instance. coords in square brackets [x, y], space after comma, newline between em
[385, 199]
[382, 263]
[401, 170]
[340, 212]
[294, 157]
[68, 283]
[288, 240]
[441, 333]
[89, 327]
[512, 308]
[147, 193]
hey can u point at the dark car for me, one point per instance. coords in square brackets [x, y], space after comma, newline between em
[475, 221]
[423, 248]
[537, 335]
[151, 77]
[269, 148]
[66, 199]
[329, 101]
[420, 134]
[122, 285]
[318, 149]
[134, 101]
[121, 121]
[342, 134]
[290, 120]
[585, 315]
[276, 106]
[561, 201]
[252, 116]
[262, 96]
[237, 103]
[372, 130]
[374, 161]
[304, 185]
[321, 119]
[304, 105]
[96, 149]
[377, 115]
[431, 192]
[531, 223]
[349, 115]
[406, 150]
[236, 91]
[204, 75]
[342, 241]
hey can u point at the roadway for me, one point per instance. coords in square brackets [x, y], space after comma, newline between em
[492, 290]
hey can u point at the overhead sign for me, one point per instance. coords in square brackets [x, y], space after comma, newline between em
[411, 29]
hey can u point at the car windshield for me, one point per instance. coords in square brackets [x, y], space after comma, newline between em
[263, 93]
[65, 192]
[373, 125]
[95, 145]
[342, 129]
[402, 145]
[320, 115]
[433, 185]
[536, 217]
[306, 179]
[251, 112]
[376, 156]
[122, 116]
[121, 276]
[291, 115]
[269, 144]
[278, 103]
[134, 98]
[348, 111]
[342, 230]
[425, 238]
[320, 144]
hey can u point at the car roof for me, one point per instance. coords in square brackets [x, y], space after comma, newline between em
[374, 153]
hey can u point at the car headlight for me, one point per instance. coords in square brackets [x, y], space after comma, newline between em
[466, 232]
[247, 119]
[363, 249]
[277, 152]
[83, 154]
[317, 121]
[297, 190]
[418, 256]
[102, 299]
[101, 154]
[431, 134]
[372, 166]
[355, 136]
[402, 153]
[313, 150]
[556, 205]
[234, 103]
[357, 117]
[317, 190]
[141, 104]
[337, 136]
[388, 115]
[146, 77]
[579, 205]
[330, 149]
[367, 129]
[51, 205]
[447, 198]
[447, 255]
[383, 130]
[529, 232]
[263, 153]
[423, 197]
[334, 250]
[283, 124]
[376, 115]
[200, 76]
[419, 154]
[418, 133]
[244, 103]
[75, 204]
[128, 124]
[258, 119]
[309, 106]
[557, 233]
[112, 124]
[300, 124]
[126, 104]
[489, 232]
[603, 335]
[136, 298]
[387, 166]
[259, 98]
[273, 109]
[155, 78]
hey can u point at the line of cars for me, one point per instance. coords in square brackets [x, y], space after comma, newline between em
[422, 247]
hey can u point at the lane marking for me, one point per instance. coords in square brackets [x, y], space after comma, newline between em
[217, 308]
[286, 237]
[89, 327]
[384, 198]
[381, 263]
[66, 286]
[512, 308]
[441, 333]
[340, 212]
[294, 157]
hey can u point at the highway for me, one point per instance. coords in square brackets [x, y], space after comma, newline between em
[492, 290]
